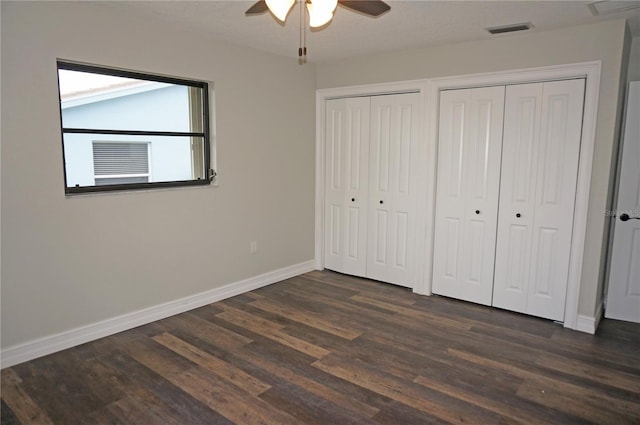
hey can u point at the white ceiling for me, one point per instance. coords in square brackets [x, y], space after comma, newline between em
[409, 24]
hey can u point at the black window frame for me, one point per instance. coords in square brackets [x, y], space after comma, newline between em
[205, 133]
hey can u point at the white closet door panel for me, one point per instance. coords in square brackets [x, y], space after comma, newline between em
[448, 241]
[485, 146]
[555, 197]
[470, 137]
[523, 109]
[394, 134]
[334, 198]
[334, 239]
[452, 169]
[517, 268]
[451, 192]
[354, 245]
[543, 123]
[380, 236]
[347, 169]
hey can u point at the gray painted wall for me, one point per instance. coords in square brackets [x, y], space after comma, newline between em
[72, 261]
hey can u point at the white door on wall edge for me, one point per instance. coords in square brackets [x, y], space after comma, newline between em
[394, 134]
[346, 184]
[541, 146]
[468, 179]
[623, 294]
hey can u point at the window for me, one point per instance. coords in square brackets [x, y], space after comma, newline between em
[126, 130]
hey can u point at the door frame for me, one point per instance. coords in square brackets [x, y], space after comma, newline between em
[429, 90]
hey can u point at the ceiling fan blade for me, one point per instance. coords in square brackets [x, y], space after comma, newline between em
[368, 7]
[257, 8]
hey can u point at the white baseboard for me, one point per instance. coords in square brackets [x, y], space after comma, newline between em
[61, 341]
[589, 324]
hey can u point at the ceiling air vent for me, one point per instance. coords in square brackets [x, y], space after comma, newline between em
[510, 28]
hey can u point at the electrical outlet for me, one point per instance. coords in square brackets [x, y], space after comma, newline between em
[253, 247]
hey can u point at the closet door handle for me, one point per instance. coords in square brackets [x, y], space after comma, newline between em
[477, 211]
[353, 199]
[518, 215]
[381, 201]
[626, 217]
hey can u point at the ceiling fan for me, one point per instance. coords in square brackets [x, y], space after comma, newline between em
[320, 12]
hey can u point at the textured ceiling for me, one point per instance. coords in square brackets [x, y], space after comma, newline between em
[409, 24]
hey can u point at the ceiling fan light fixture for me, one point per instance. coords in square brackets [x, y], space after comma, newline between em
[280, 8]
[320, 11]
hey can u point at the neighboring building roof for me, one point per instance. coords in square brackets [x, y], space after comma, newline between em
[96, 94]
[90, 91]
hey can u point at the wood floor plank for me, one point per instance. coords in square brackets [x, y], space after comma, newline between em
[399, 390]
[435, 342]
[493, 405]
[214, 365]
[7, 417]
[232, 403]
[357, 313]
[140, 403]
[597, 373]
[136, 410]
[372, 288]
[594, 407]
[323, 292]
[22, 406]
[514, 411]
[247, 320]
[154, 385]
[320, 286]
[614, 339]
[566, 396]
[303, 381]
[156, 357]
[412, 313]
[309, 408]
[360, 315]
[388, 358]
[326, 348]
[309, 319]
[539, 344]
[299, 364]
[65, 387]
[323, 306]
[480, 316]
[210, 332]
[390, 415]
[271, 331]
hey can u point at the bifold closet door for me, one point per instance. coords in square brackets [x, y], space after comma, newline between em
[541, 146]
[347, 184]
[468, 179]
[394, 133]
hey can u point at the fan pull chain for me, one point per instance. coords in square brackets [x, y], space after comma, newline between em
[300, 35]
[302, 50]
[304, 33]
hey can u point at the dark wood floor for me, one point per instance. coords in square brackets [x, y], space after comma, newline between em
[324, 348]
